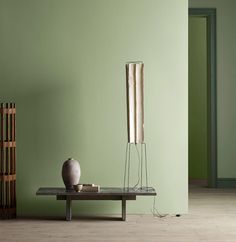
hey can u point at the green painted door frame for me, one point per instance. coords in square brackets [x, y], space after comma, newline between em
[210, 14]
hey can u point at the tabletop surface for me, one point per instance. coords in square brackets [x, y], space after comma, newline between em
[150, 191]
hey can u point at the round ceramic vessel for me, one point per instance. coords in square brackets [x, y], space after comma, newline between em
[71, 173]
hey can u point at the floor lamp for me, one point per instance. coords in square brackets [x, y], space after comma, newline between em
[135, 125]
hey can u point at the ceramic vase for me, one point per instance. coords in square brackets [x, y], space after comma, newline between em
[71, 173]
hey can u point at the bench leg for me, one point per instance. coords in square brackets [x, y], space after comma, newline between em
[68, 208]
[123, 209]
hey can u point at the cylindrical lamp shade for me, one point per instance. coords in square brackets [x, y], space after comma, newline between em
[135, 104]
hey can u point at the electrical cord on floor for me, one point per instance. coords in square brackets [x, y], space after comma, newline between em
[155, 211]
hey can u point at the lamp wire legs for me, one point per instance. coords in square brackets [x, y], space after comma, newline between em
[141, 150]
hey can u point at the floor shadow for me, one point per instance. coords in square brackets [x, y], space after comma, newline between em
[78, 218]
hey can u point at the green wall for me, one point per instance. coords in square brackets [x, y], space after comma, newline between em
[63, 63]
[197, 98]
[226, 84]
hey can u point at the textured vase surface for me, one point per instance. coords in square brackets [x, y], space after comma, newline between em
[71, 173]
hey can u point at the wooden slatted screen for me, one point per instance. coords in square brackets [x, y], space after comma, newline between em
[7, 160]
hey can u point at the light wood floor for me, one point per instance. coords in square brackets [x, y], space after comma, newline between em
[212, 217]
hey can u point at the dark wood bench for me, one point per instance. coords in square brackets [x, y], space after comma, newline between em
[106, 193]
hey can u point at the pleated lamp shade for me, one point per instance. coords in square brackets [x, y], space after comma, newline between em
[135, 101]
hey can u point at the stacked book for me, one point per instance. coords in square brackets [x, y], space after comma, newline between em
[87, 188]
[90, 188]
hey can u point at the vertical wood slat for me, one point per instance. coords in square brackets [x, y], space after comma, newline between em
[2, 159]
[11, 157]
[7, 161]
[14, 154]
[3, 162]
[7, 158]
